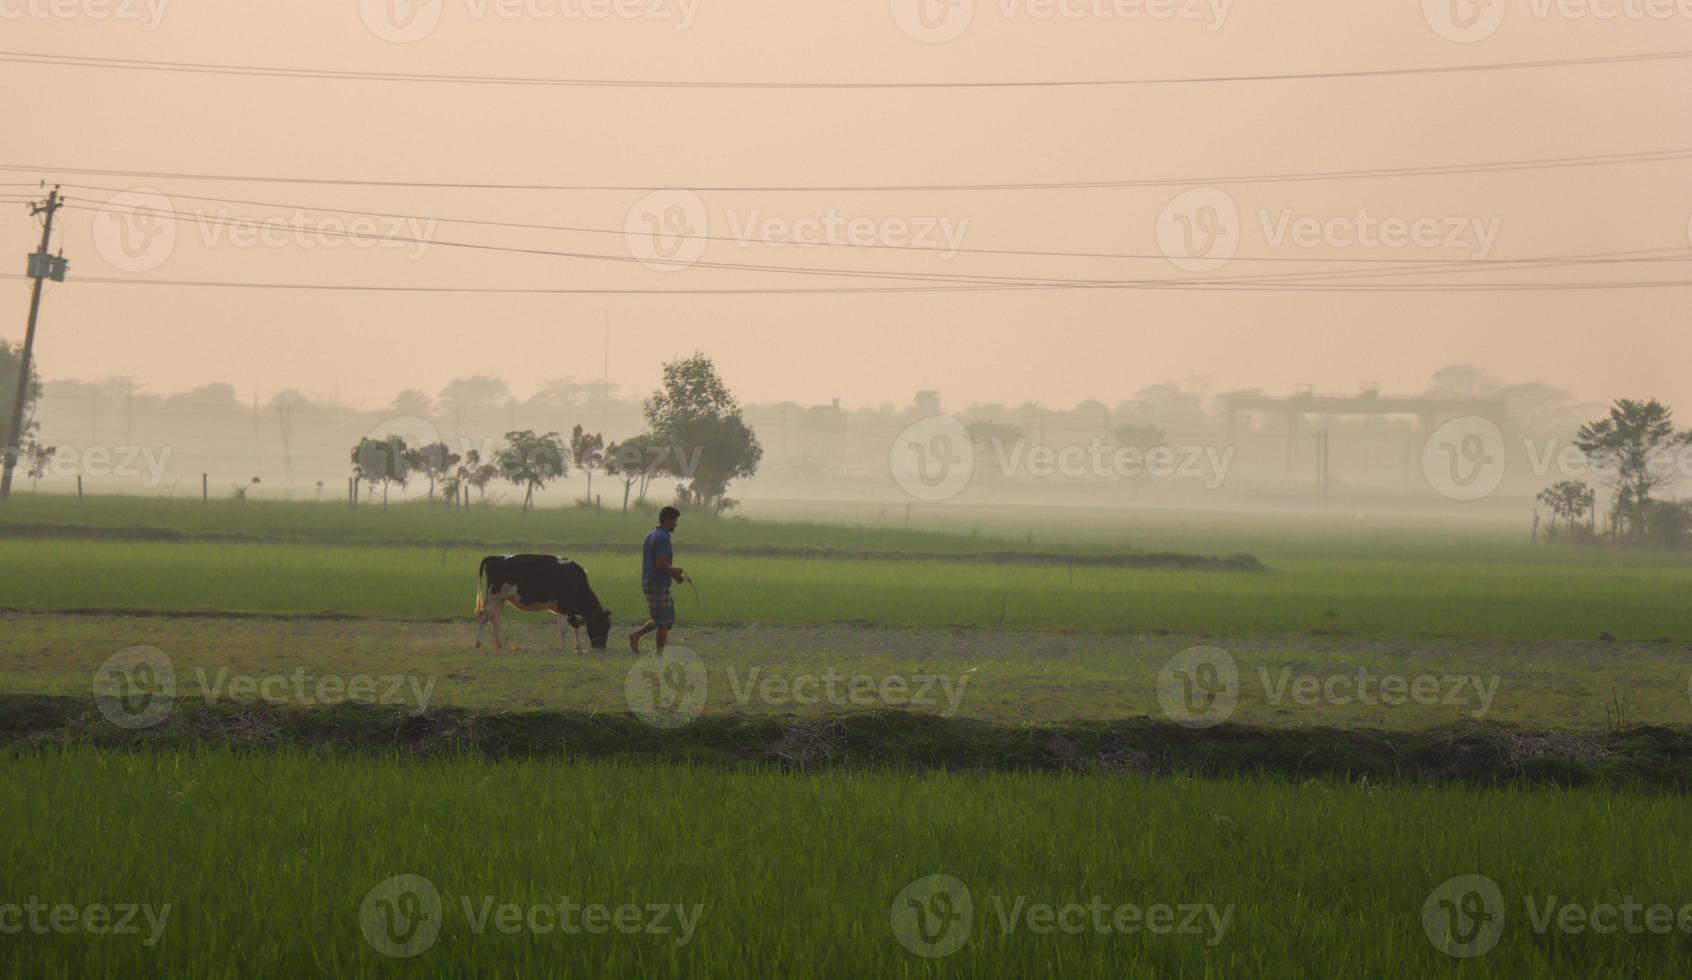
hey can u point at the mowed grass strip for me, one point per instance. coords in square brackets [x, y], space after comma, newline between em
[1005, 676]
[265, 860]
[419, 520]
[1383, 597]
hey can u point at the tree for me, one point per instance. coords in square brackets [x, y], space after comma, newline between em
[411, 402]
[383, 461]
[1141, 437]
[1668, 523]
[588, 453]
[1463, 381]
[36, 459]
[476, 394]
[471, 473]
[1568, 500]
[694, 415]
[1628, 447]
[993, 440]
[434, 461]
[529, 461]
[9, 357]
[989, 436]
[636, 461]
[624, 461]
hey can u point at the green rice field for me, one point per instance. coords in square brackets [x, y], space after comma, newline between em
[271, 865]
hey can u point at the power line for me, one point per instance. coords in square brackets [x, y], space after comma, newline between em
[274, 71]
[1434, 170]
[946, 278]
[916, 249]
[1176, 285]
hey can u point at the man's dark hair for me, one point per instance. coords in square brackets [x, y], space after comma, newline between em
[668, 513]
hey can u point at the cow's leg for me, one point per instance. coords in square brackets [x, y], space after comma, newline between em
[578, 630]
[496, 609]
[481, 624]
[562, 647]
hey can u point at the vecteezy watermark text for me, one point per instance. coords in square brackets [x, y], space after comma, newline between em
[402, 916]
[1202, 229]
[1201, 686]
[100, 919]
[831, 687]
[935, 459]
[149, 14]
[671, 689]
[138, 230]
[935, 916]
[1465, 916]
[939, 21]
[407, 21]
[137, 687]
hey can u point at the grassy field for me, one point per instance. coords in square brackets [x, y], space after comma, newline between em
[278, 859]
[753, 874]
[1005, 676]
[1380, 597]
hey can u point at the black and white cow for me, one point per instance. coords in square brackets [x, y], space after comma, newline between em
[540, 583]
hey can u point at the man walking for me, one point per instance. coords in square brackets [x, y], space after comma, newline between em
[656, 574]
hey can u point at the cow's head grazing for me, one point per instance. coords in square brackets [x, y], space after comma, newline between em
[598, 626]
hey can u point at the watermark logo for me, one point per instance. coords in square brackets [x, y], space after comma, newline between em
[939, 21]
[667, 690]
[933, 459]
[940, 234]
[136, 687]
[1199, 230]
[1464, 916]
[1199, 687]
[666, 230]
[98, 919]
[933, 916]
[401, 21]
[407, 21]
[933, 21]
[401, 916]
[135, 230]
[1464, 21]
[1464, 459]
[836, 689]
[146, 463]
[1101, 458]
[1470, 21]
[148, 13]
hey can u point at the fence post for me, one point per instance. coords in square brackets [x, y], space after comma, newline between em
[79, 486]
[205, 488]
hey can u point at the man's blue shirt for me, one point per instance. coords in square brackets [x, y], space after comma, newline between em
[657, 543]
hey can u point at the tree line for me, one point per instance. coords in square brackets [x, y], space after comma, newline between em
[695, 432]
[1636, 451]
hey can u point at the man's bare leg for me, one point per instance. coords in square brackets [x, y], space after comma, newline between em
[662, 636]
[634, 638]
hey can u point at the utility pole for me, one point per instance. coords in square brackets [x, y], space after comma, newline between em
[1322, 466]
[42, 267]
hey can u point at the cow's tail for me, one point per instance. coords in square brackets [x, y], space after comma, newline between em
[482, 585]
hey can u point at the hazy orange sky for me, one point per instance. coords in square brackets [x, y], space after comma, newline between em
[1052, 346]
